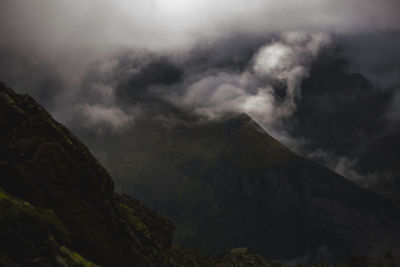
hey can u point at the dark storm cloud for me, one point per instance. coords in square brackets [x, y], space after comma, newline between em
[158, 72]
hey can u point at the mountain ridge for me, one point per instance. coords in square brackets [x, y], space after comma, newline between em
[58, 206]
[215, 174]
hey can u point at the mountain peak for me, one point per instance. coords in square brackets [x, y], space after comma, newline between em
[228, 183]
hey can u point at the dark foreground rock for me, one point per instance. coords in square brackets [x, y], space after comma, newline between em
[240, 258]
[58, 201]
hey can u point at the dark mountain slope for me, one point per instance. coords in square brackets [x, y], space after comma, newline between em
[59, 199]
[346, 115]
[339, 111]
[60, 209]
[285, 206]
[228, 184]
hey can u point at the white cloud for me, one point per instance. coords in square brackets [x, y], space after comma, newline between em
[100, 117]
[284, 61]
[69, 35]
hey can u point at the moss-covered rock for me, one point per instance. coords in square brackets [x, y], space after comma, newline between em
[68, 196]
[184, 257]
[239, 257]
[31, 236]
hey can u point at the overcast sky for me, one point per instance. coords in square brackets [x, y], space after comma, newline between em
[91, 26]
[101, 61]
[60, 41]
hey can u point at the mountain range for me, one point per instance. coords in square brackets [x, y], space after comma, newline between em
[224, 183]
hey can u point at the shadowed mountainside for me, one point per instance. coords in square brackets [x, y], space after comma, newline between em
[58, 208]
[346, 115]
[227, 183]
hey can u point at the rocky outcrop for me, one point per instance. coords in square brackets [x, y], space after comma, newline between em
[58, 199]
[28, 236]
[238, 257]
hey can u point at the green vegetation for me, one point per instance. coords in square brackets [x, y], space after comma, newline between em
[66, 257]
[133, 221]
[31, 236]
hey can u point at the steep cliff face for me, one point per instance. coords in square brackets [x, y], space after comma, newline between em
[58, 199]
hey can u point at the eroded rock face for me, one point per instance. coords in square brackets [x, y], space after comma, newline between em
[46, 166]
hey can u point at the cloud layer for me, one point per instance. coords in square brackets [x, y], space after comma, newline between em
[98, 65]
[268, 89]
[51, 26]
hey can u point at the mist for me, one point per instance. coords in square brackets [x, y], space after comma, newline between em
[100, 65]
[69, 35]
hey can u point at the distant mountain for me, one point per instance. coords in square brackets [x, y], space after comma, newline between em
[227, 183]
[345, 114]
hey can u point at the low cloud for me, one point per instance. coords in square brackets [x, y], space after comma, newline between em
[55, 44]
[268, 89]
[99, 118]
[100, 65]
